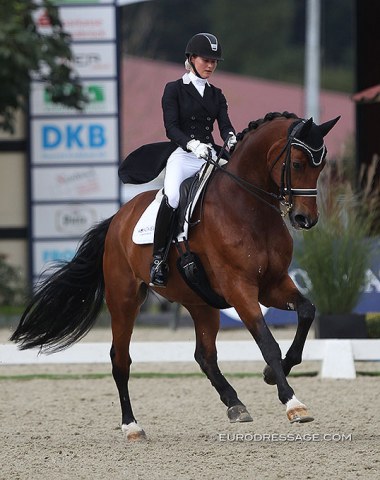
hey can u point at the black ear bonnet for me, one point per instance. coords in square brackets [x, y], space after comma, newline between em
[306, 136]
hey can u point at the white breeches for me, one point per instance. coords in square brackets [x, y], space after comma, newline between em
[180, 165]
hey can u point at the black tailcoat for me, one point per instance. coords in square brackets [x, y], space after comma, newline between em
[187, 116]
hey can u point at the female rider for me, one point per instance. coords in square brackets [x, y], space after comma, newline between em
[190, 107]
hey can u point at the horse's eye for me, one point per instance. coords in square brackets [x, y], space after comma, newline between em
[297, 165]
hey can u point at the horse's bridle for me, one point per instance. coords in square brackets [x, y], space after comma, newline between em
[286, 189]
[286, 192]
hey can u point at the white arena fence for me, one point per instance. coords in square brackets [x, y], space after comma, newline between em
[337, 357]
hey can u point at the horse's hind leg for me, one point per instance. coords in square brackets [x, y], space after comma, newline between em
[124, 305]
[206, 322]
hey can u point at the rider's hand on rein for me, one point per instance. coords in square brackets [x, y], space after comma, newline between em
[231, 142]
[200, 150]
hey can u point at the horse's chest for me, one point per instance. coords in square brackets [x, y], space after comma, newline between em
[278, 257]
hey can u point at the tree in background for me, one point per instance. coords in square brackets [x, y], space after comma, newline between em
[161, 28]
[259, 38]
[26, 54]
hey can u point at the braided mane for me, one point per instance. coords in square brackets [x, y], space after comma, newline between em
[268, 117]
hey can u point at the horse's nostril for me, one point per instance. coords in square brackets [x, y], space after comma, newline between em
[303, 221]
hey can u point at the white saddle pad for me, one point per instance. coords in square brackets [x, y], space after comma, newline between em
[143, 232]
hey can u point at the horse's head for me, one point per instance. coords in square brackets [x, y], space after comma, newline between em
[295, 167]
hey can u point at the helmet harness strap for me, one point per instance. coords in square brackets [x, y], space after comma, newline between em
[193, 67]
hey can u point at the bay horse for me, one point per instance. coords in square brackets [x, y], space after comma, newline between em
[243, 243]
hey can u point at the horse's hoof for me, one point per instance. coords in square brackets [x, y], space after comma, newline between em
[133, 432]
[297, 412]
[269, 376]
[238, 413]
[301, 419]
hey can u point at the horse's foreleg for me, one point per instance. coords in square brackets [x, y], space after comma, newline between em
[206, 321]
[305, 311]
[254, 320]
[288, 297]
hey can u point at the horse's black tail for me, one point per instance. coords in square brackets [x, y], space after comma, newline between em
[66, 304]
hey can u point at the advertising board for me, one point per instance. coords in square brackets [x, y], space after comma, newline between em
[83, 24]
[74, 154]
[102, 95]
[69, 220]
[74, 140]
[52, 184]
[95, 60]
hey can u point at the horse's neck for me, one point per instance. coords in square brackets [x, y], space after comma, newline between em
[249, 163]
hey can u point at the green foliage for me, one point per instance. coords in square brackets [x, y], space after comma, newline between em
[337, 78]
[11, 285]
[373, 325]
[370, 196]
[27, 54]
[336, 253]
[336, 265]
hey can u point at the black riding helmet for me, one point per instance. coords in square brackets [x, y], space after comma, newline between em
[204, 45]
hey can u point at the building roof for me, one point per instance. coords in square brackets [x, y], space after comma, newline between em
[143, 81]
[369, 95]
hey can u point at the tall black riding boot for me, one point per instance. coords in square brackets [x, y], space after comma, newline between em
[159, 270]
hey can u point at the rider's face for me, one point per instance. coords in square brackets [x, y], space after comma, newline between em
[204, 66]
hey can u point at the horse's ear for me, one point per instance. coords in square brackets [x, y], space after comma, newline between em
[324, 128]
[306, 127]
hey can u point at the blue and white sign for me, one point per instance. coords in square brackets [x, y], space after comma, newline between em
[75, 140]
[46, 253]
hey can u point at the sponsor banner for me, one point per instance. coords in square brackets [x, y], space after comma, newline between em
[94, 60]
[69, 220]
[102, 95]
[84, 2]
[59, 184]
[90, 60]
[83, 24]
[47, 253]
[74, 140]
